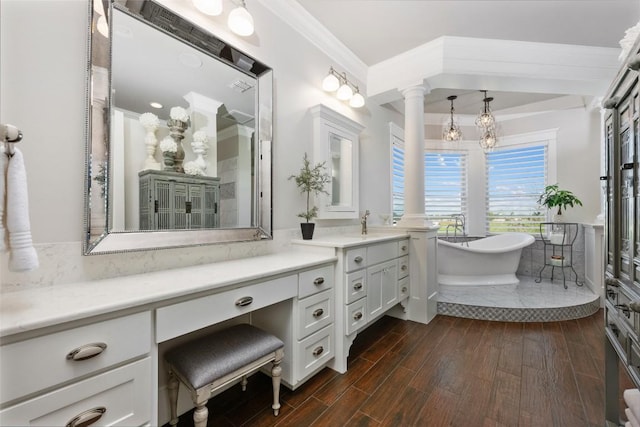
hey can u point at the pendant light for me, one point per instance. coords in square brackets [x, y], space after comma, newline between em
[485, 119]
[452, 132]
[488, 139]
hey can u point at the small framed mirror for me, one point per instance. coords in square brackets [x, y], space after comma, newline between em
[178, 134]
[336, 143]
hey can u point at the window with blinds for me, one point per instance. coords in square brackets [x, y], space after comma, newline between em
[515, 178]
[445, 186]
[397, 178]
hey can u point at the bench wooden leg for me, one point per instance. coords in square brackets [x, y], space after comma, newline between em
[276, 372]
[173, 386]
[200, 415]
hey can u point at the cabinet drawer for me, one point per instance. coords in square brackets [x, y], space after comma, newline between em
[314, 351]
[179, 319]
[124, 392]
[355, 316]
[314, 313]
[403, 266]
[313, 281]
[403, 288]
[356, 285]
[382, 252]
[356, 258]
[38, 363]
[403, 247]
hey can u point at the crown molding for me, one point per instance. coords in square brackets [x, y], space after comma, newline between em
[297, 17]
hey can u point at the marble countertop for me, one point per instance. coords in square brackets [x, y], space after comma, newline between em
[350, 240]
[22, 311]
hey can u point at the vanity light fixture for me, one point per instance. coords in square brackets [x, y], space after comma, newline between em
[344, 89]
[239, 21]
[452, 132]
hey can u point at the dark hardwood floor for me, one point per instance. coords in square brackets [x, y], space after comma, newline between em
[451, 372]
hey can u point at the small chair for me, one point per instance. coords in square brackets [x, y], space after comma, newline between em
[208, 364]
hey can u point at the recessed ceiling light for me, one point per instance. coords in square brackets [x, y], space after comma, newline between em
[156, 104]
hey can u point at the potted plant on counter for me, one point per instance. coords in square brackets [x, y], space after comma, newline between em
[310, 180]
[554, 197]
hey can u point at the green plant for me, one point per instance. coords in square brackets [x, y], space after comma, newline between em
[553, 196]
[311, 180]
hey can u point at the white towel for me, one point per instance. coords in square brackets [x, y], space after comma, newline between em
[3, 200]
[23, 256]
[632, 400]
[632, 419]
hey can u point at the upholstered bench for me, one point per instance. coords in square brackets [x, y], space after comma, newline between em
[208, 364]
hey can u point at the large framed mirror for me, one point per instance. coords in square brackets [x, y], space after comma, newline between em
[179, 132]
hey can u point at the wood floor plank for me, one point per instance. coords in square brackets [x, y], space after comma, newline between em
[381, 347]
[535, 406]
[369, 383]
[342, 410]
[439, 409]
[510, 359]
[504, 399]
[361, 420]
[304, 415]
[387, 396]
[591, 391]
[533, 353]
[333, 389]
[472, 403]
[407, 411]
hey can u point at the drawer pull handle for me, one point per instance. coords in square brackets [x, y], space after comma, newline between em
[86, 351]
[319, 312]
[319, 281]
[403, 248]
[358, 259]
[357, 286]
[404, 289]
[626, 166]
[404, 267]
[318, 351]
[87, 418]
[244, 301]
[357, 316]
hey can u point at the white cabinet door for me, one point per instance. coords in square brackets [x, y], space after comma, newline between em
[382, 288]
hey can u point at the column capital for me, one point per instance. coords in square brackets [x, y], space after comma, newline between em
[415, 90]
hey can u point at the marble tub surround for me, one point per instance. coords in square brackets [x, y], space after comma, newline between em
[34, 308]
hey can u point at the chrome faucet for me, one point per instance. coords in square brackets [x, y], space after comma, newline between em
[363, 221]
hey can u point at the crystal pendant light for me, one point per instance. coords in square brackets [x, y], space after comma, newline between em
[485, 119]
[488, 139]
[452, 132]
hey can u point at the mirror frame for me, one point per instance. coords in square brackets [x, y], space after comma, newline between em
[108, 241]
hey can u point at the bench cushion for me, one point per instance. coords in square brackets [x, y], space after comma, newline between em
[205, 359]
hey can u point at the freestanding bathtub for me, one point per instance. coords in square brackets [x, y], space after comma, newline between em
[489, 261]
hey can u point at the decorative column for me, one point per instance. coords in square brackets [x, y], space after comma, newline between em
[204, 118]
[414, 214]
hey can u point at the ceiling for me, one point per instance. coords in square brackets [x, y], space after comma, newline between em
[376, 30]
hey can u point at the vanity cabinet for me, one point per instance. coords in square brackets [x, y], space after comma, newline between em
[171, 200]
[305, 324]
[100, 372]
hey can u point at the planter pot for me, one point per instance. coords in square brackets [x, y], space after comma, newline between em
[556, 238]
[307, 230]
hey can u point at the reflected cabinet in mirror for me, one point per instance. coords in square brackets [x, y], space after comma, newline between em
[336, 142]
[179, 134]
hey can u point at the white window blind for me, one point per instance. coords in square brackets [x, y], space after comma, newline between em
[515, 179]
[445, 186]
[397, 177]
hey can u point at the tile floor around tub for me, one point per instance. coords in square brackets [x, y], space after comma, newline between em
[526, 294]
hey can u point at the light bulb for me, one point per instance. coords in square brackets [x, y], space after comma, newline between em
[357, 100]
[209, 7]
[344, 93]
[330, 83]
[240, 21]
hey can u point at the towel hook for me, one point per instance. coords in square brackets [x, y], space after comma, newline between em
[10, 135]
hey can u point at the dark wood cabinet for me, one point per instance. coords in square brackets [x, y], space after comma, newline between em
[175, 201]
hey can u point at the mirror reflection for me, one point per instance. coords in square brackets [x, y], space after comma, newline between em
[341, 152]
[180, 128]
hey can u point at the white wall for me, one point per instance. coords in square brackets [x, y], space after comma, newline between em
[43, 83]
